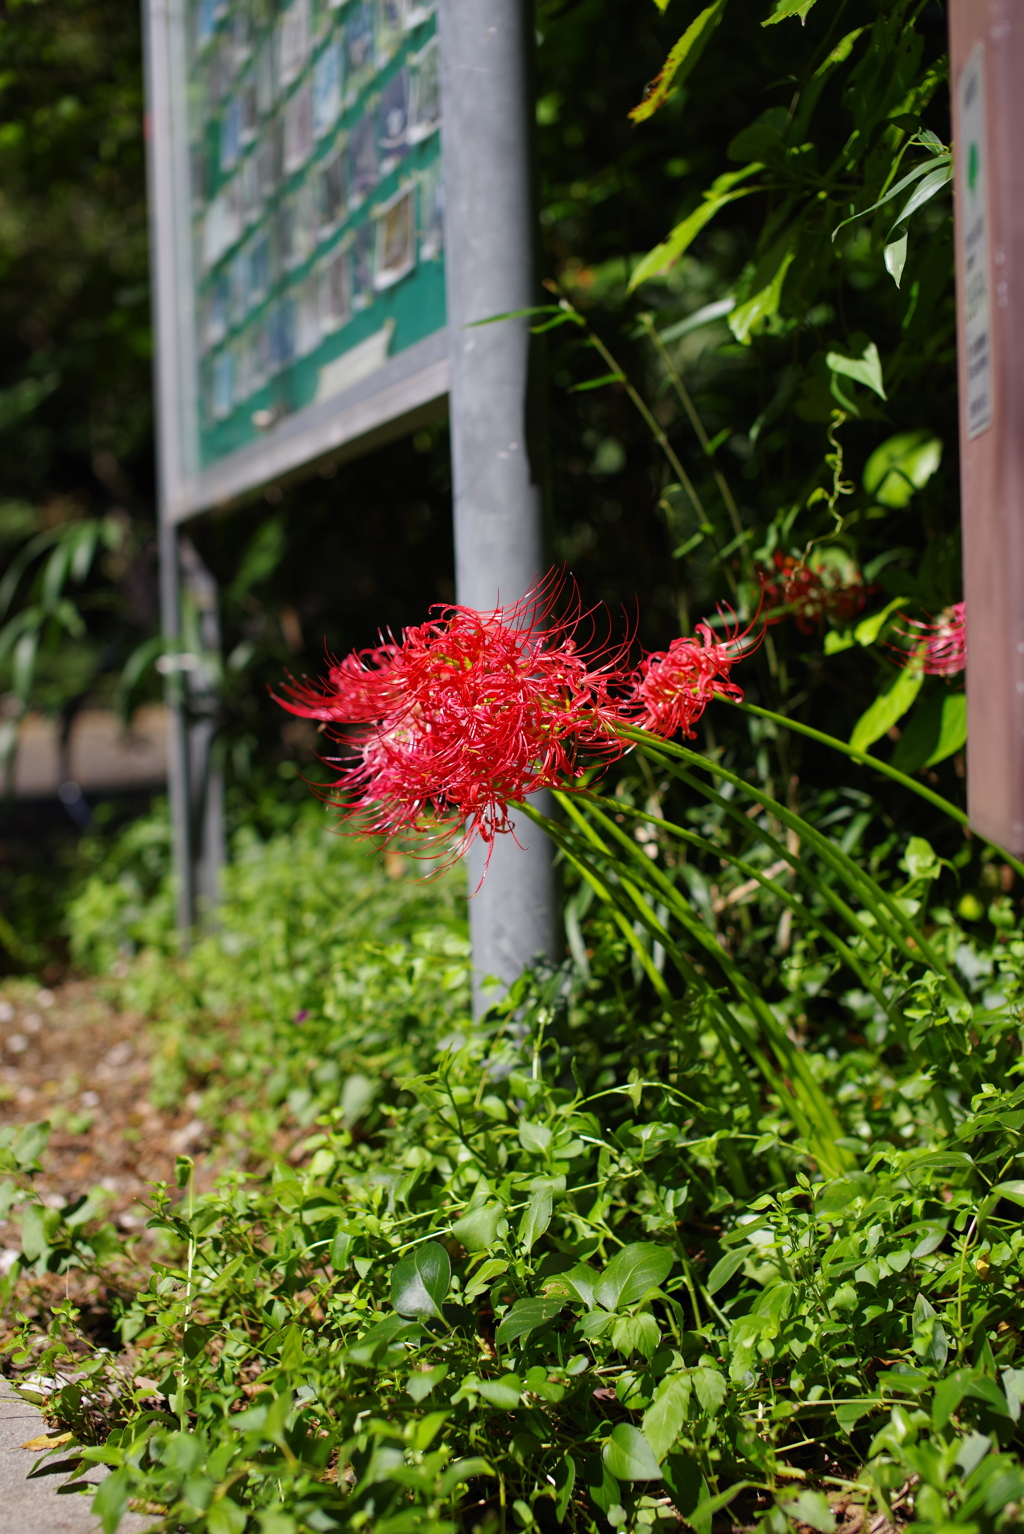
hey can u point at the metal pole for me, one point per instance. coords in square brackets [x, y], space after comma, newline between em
[178, 774]
[206, 777]
[489, 240]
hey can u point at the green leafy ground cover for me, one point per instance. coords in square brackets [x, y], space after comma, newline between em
[573, 1266]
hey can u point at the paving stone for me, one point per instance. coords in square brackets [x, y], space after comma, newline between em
[40, 1495]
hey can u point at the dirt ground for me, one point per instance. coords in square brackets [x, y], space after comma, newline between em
[68, 1056]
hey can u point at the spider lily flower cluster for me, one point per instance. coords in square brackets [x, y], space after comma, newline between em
[815, 590]
[471, 712]
[940, 646]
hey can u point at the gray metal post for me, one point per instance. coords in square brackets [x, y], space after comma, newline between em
[178, 774]
[489, 238]
[206, 776]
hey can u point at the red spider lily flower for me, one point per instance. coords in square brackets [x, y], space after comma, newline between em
[816, 590]
[941, 645]
[469, 712]
[676, 685]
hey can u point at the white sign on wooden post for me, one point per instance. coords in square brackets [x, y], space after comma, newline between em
[987, 78]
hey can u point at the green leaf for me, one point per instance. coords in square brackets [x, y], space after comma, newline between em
[597, 383]
[503, 1393]
[420, 1281]
[527, 1316]
[420, 1384]
[953, 730]
[461, 1472]
[868, 629]
[745, 318]
[664, 1418]
[629, 1456]
[724, 1269]
[916, 174]
[931, 1343]
[226, 1517]
[657, 261]
[784, 9]
[682, 58]
[887, 708]
[895, 256]
[711, 1388]
[935, 730]
[901, 466]
[632, 1273]
[534, 1137]
[565, 1480]
[111, 1500]
[485, 1273]
[478, 1229]
[536, 1218]
[810, 1507]
[865, 369]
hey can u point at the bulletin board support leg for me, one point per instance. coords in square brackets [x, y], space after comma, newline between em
[178, 774]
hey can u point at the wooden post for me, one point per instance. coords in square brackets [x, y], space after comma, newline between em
[987, 83]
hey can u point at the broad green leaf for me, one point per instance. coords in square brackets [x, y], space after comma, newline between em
[724, 1269]
[657, 261]
[478, 1229]
[534, 1137]
[868, 629]
[1013, 1385]
[931, 1344]
[226, 1517]
[111, 1500]
[681, 60]
[865, 369]
[702, 1515]
[632, 1273]
[1013, 1190]
[636, 1334]
[746, 317]
[887, 708]
[953, 731]
[536, 1218]
[503, 1393]
[902, 466]
[629, 1456]
[810, 1507]
[463, 1471]
[920, 859]
[935, 730]
[784, 9]
[895, 256]
[526, 1316]
[664, 1418]
[420, 1281]
[711, 1388]
[483, 1276]
[420, 1384]
[583, 1281]
[565, 1480]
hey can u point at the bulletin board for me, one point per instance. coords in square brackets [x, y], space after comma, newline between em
[297, 197]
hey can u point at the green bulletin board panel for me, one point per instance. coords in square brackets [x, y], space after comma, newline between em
[316, 203]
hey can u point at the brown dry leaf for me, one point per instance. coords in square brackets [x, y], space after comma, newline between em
[47, 1441]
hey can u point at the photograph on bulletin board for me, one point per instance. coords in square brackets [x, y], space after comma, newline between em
[314, 155]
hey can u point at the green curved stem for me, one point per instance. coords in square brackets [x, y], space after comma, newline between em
[923, 792]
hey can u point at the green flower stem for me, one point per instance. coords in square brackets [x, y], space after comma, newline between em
[886, 911]
[610, 896]
[865, 757]
[789, 1057]
[795, 904]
